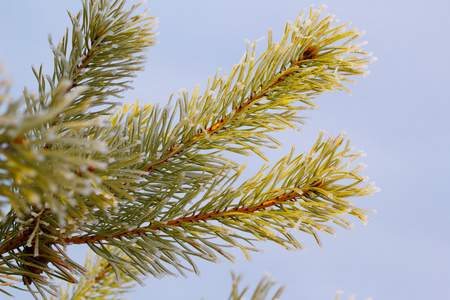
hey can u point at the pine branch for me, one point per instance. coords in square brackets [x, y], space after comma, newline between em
[107, 42]
[287, 72]
[304, 204]
[149, 194]
[203, 217]
[306, 63]
[235, 114]
[56, 136]
[261, 292]
[102, 281]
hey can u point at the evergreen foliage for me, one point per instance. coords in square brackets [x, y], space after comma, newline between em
[150, 189]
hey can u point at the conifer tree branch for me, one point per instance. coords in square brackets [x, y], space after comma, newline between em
[22, 239]
[149, 189]
[298, 203]
[290, 71]
[101, 281]
[203, 217]
[57, 135]
[324, 186]
[107, 45]
[232, 117]
[261, 292]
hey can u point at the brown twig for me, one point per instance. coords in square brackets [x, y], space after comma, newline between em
[203, 217]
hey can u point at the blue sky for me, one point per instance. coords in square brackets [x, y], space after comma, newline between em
[399, 115]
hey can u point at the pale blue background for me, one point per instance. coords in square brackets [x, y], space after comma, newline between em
[399, 115]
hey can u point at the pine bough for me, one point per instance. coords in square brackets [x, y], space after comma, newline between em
[150, 189]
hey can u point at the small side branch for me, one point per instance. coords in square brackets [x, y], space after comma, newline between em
[251, 100]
